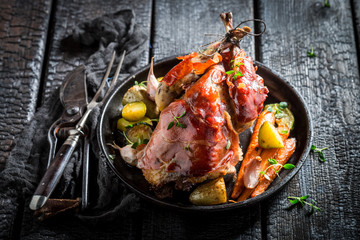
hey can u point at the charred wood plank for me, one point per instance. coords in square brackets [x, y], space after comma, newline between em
[329, 84]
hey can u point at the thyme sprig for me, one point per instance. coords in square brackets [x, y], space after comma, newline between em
[141, 84]
[311, 53]
[237, 72]
[274, 163]
[295, 200]
[319, 151]
[176, 121]
[326, 3]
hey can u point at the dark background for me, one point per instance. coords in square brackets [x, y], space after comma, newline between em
[33, 64]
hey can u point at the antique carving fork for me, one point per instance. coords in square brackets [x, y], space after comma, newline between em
[62, 157]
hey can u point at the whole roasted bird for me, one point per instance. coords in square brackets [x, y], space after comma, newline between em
[205, 101]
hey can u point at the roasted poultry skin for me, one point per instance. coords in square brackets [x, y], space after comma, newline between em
[210, 97]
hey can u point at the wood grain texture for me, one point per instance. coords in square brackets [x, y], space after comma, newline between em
[179, 27]
[23, 30]
[59, 63]
[70, 13]
[329, 84]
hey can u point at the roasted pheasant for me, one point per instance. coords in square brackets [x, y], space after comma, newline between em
[205, 101]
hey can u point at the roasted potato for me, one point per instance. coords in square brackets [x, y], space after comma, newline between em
[134, 111]
[211, 193]
[138, 93]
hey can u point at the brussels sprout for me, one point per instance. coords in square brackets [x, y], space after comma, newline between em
[283, 115]
[139, 133]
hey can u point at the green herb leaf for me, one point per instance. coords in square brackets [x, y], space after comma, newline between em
[319, 152]
[284, 131]
[288, 166]
[182, 125]
[228, 145]
[269, 109]
[311, 53]
[283, 105]
[326, 3]
[272, 161]
[304, 197]
[293, 201]
[141, 84]
[171, 124]
[301, 200]
[112, 157]
[230, 72]
[182, 115]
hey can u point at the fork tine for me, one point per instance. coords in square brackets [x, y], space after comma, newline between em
[103, 82]
[117, 70]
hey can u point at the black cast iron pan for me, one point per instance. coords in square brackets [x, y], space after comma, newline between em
[279, 90]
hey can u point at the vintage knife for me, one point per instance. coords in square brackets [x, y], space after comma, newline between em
[73, 96]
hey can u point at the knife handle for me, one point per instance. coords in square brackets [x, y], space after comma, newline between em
[54, 172]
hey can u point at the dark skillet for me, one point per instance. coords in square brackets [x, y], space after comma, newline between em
[279, 90]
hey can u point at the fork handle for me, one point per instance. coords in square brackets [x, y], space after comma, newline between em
[54, 172]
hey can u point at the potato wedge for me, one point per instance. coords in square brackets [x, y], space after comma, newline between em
[269, 136]
[211, 193]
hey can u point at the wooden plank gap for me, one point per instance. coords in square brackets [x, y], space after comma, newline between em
[46, 57]
[152, 30]
[356, 26]
[257, 28]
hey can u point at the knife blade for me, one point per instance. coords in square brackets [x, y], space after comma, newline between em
[73, 96]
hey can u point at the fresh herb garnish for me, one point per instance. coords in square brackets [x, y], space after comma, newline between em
[283, 105]
[176, 122]
[274, 163]
[112, 157]
[141, 84]
[284, 131]
[237, 73]
[228, 145]
[269, 109]
[139, 142]
[311, 53]
[134, 145]
[301, 200]
[187, 147]
[326, 3]
[319, 151]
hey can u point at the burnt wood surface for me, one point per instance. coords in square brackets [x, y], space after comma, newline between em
[23, 33]
[329, 84]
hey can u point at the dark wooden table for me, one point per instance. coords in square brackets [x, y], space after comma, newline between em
[32, 64]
